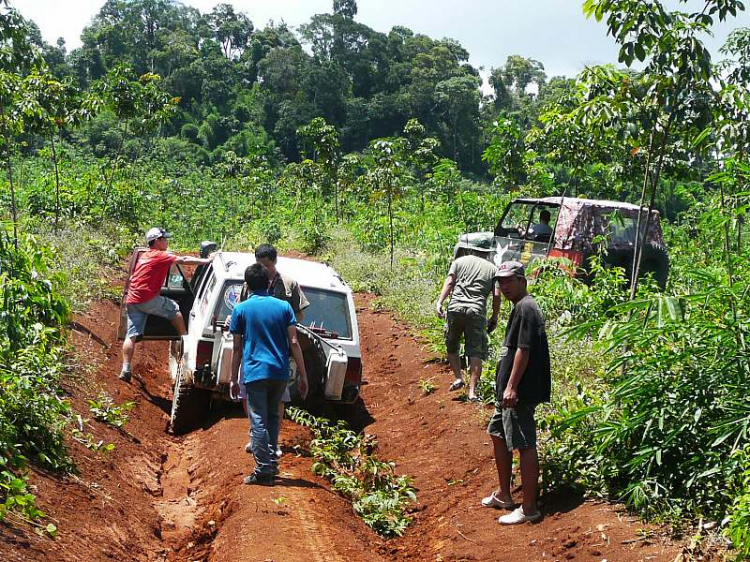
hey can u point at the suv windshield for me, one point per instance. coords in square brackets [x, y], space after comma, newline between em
[328, 312]
[532, 221]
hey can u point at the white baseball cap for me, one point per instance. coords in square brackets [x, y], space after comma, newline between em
[156, 233]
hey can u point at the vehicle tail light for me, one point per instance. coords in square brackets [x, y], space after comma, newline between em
[572, 255]
[353, 371]
[204, 353]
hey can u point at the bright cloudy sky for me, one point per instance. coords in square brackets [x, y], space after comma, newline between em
[554, 32]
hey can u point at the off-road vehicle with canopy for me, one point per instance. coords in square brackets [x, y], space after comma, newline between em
[200, 361]
[579, 229]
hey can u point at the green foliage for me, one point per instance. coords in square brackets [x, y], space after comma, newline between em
[427, 386]
[32, 413]
[104, 409]
[378, 496]
[739, 521]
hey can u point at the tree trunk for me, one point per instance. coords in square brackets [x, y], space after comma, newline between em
[9, 168]
[390, 221]
[57, 183]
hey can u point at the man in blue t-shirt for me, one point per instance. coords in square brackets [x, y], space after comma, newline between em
[265, 332]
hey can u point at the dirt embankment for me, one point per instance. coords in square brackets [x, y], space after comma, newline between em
[160, 498]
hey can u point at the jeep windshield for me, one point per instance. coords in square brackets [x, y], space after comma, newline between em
[529, 220]
[327, 315]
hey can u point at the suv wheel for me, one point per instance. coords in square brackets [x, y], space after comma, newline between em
[189, 404]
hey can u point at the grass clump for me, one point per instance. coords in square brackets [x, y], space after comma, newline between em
[345, 458]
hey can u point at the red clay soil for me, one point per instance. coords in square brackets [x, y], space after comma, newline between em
[160, 498]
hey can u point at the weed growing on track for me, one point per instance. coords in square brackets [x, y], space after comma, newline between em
[104, 409]
[345, 458]
[427, 386]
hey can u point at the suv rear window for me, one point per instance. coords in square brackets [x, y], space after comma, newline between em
[328, 311]
[230, 296]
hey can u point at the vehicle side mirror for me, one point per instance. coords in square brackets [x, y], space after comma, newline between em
[207, 248]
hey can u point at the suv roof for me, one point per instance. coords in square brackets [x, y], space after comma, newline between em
[578, 202]
[232, 265]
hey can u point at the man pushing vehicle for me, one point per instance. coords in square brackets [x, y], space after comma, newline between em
[143, 296]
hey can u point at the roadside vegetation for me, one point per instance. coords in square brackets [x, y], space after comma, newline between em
[245, 137]
[347, 460]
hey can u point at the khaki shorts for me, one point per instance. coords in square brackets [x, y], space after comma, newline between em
[517, 426]
[473, 327]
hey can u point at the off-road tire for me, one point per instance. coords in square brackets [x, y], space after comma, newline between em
[656, 261]
[189, 404]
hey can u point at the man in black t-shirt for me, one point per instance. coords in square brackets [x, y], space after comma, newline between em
[523, 381]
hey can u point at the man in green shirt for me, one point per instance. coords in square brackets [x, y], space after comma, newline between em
[471, 279]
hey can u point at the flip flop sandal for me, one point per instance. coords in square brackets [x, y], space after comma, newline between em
[493, 501]
[456, 385]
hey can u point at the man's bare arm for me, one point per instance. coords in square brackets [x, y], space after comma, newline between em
[520, 362]
[190, 260]
[296, 351]
[236, 360]
[450, 282]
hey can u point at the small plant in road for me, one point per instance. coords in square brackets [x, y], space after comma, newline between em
[427, 386]
[345, 458]
[104, 409]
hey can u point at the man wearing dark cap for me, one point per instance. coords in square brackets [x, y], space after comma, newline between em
[523, 381]
[470, 281]
[143, 296]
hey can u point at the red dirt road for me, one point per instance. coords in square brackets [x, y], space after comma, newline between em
[160, 498]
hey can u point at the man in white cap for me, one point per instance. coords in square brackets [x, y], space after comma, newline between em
[522, 382]
[143, 296]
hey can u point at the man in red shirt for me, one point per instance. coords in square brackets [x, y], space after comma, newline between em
[143, 296]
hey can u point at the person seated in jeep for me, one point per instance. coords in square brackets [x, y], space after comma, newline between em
[143, 296]
[542, 230]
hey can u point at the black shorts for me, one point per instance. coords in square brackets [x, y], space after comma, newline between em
[517, 426]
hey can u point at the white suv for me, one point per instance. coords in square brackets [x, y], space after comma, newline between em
[200, 361]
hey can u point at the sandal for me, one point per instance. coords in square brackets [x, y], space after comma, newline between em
[457, 384]
[493, 501]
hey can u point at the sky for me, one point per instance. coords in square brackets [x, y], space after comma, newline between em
[554, 32]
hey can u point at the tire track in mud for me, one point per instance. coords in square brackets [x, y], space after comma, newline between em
[210, 515]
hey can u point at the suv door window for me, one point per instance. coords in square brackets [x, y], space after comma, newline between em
[204, 282]
[230, 296]
[328, 313]
[175, 279]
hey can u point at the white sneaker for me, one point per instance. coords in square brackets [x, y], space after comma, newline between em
[249, 447]
[279, 453]
[493, 501]
[517, 516]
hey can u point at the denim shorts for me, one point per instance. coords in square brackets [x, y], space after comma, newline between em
[517, 426]
[158, 306]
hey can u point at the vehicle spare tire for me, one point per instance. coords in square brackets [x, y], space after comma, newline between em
[656, 261]
[189, 404]
[315, 364]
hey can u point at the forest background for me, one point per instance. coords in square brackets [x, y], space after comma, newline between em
[375, 151]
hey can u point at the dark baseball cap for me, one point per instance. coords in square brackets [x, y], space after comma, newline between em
[511, 269]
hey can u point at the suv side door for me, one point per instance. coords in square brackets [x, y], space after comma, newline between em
[176, 287]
